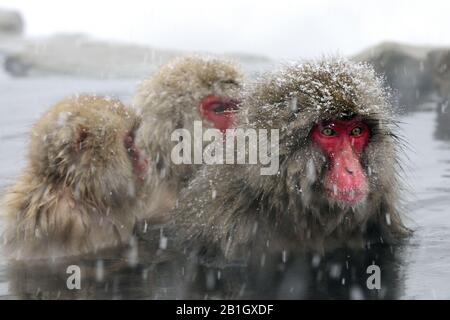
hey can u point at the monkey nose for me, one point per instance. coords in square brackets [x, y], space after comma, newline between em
[349, 171]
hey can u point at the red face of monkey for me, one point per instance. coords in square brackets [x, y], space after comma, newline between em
[138, 159]
[343, 142]
[220, 111]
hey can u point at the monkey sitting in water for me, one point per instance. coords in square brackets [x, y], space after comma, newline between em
[83, 174]
[337, 184]
[187, 89]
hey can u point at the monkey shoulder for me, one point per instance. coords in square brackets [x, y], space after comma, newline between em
[215, 209]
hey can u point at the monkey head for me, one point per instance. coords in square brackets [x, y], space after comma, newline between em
[338, 147]
[191, 88]
[86, 144]
[185, 90]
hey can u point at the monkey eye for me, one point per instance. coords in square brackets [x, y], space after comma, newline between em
[356, 131]
[230, 81]
[221, 107]
[328, 132]
[218, 107]
[129, 144]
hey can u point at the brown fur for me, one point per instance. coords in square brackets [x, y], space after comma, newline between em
[169, 100]
[74, 195]
[290, 210]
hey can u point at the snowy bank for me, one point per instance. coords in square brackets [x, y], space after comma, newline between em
[81, 55]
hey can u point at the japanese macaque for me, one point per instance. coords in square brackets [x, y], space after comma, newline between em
[337, 183]
[185, 90]
[84, 171]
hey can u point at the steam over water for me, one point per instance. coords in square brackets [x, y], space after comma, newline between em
[419, 270]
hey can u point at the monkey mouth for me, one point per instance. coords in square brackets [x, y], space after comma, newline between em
[351, 196]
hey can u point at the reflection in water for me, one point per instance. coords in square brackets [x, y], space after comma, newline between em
[161, 274]
[340, 275]
[427, 262]
[107, 275]
[443, 120]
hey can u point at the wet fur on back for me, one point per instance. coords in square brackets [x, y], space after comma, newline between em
[74, 194]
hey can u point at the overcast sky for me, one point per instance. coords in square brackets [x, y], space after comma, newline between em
[279, 29]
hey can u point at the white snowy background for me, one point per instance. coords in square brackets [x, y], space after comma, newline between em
[282, 29]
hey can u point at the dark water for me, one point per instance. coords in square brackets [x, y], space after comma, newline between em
[419, 269]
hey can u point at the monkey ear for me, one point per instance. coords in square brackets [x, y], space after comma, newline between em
[81, 134]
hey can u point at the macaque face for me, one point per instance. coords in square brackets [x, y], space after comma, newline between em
[137, 156]
[220, 111]
[342, 142]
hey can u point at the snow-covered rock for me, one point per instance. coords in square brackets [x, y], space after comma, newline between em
[405, 70]
[418, 74]
[84, 56]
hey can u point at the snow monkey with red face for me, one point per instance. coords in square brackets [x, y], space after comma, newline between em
[83, 174]
[185, 90]
[337, 184]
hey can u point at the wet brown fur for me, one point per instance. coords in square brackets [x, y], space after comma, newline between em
[78, 185]
[169, 100]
